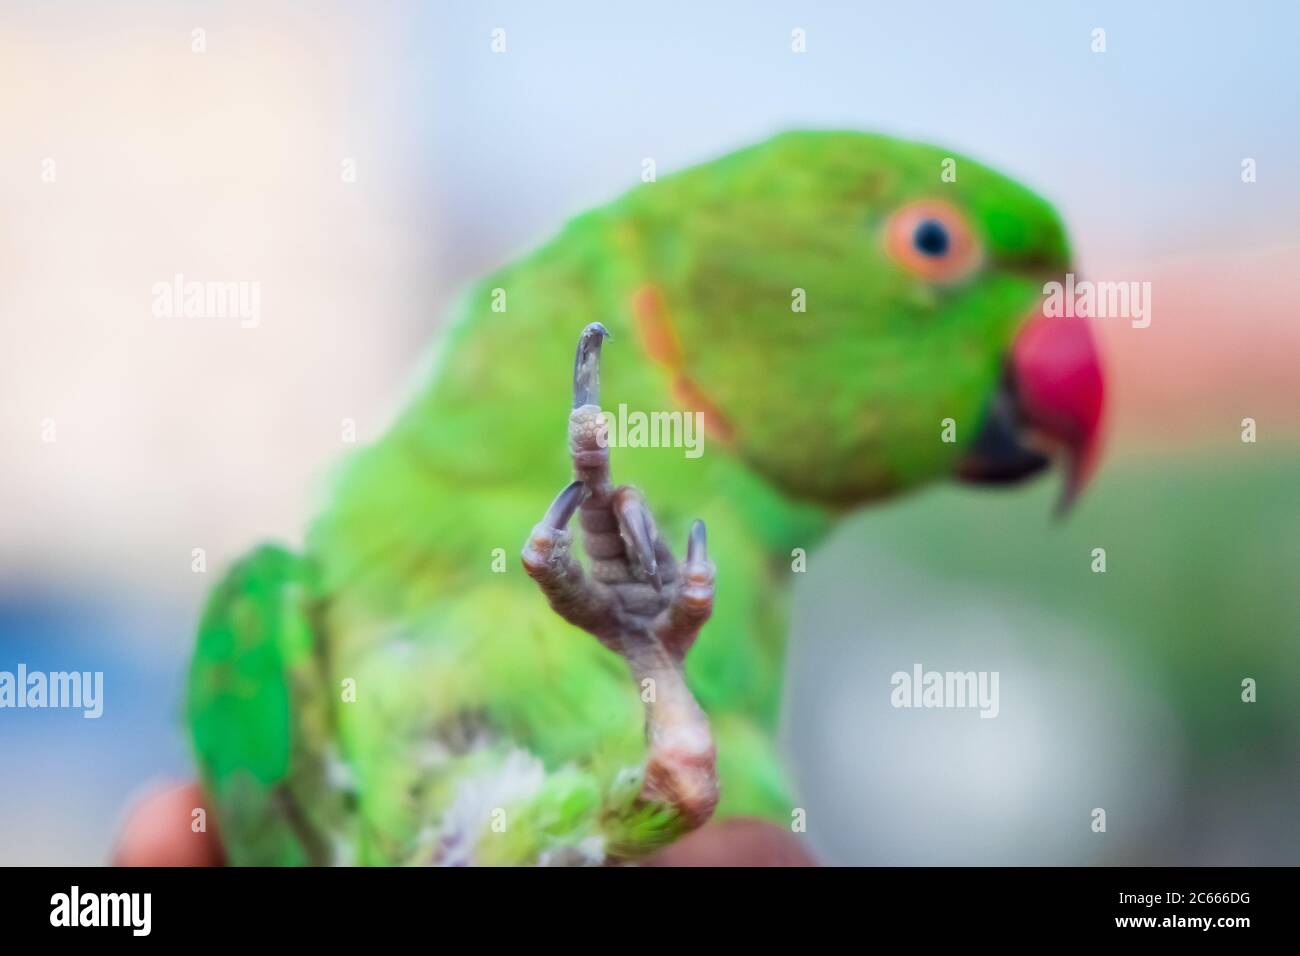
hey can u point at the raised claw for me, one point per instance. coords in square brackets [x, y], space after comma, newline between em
[586, 365]
[637, 600]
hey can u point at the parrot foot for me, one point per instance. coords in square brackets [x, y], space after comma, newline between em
[637, 600]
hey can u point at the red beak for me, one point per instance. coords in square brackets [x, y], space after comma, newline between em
[1059, 392]
[1050, 402]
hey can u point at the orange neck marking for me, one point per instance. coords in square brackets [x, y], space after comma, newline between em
[660, 340]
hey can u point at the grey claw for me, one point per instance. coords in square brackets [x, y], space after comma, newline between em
[564, 505]
[638, 532]
[639, 528]
[586, 365]
[697, 549]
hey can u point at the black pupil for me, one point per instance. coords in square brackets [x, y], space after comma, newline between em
[931, 238]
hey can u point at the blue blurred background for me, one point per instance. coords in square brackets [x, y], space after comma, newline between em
[1119, 690]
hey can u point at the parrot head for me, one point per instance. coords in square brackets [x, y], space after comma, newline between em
[857, 315]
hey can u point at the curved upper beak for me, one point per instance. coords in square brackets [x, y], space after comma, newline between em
[1049, 405]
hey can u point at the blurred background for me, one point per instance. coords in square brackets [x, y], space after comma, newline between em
[128, 442]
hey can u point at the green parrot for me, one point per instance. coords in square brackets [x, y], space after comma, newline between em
[819, 321]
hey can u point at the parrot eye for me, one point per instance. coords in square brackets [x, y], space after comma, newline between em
[932, 240]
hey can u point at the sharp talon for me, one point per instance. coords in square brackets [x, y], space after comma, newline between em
[564, 505]
[638, 527]
[638, 533]
[697, 548]
[586, 365]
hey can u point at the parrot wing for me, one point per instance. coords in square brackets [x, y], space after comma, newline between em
[260, 713]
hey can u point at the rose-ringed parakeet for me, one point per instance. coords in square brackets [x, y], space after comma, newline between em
[848, 324]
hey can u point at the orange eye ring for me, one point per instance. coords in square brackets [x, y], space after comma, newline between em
[932, 240]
